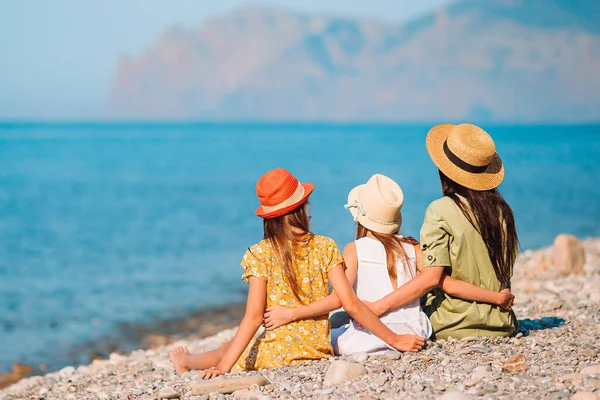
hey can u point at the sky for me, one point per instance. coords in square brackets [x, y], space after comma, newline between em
[58, 57]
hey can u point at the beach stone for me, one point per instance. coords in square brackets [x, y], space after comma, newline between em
[563, 394]
[472, 382]
[392, 355]
[168, 393]
[515, 364]
[380, 380]
[548, 353]
[66, 372]
[454, 394]
[245, 394]
[584, 396]
[589, 353]
[340, 371]
[93, 389]
[360, 357]
[591, 370]
[568, 255]
[574, 378]
[480, 372]
[226, 385]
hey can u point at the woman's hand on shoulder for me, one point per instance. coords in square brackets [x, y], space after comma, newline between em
[409, 343]
[505, 299]
[278, 316]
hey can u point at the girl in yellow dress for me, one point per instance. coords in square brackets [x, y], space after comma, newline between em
[290, 267]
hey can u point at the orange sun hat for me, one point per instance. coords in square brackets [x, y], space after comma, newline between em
[280, 193]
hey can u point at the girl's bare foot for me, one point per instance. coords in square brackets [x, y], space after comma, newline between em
[178, 356]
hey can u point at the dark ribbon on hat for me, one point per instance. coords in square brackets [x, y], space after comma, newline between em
[474, 169]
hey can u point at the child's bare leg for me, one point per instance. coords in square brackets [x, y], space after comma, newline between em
[184, 361]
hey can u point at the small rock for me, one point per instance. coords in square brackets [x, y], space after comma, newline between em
[584, 396]
[244, 394]
[591, 370]
[226, 385]
[589, 353]
[489, 388]
[480, 372]
[515, 364]
[93, 389]
[360, 357]
[380, 380]
[568, 255]
[548, 353]
[472, 382]
[392, 355]
[573, 378]
[454, 394]
[560, 395]
[66, 372]
[168, 393]
[340, 371]
[268, 388]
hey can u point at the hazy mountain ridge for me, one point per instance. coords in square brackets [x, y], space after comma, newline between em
[528, 61]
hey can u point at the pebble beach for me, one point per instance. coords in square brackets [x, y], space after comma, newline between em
[556, 355]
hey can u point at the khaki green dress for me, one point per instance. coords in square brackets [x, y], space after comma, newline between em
[449, 240]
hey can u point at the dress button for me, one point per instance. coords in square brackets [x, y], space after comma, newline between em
[430, 257]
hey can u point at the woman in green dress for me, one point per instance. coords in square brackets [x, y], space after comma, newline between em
[469, 234]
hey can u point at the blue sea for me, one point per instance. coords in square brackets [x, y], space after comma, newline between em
[102, 225]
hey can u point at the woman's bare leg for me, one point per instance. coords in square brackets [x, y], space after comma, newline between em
[184, 361]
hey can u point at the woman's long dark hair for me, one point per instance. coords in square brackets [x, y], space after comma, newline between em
[493, 218]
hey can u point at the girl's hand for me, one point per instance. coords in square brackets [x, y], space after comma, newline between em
[210, 373]
[278, 316]
[411, 343]
[505, 299]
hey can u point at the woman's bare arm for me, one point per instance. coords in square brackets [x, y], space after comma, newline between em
[255, 306]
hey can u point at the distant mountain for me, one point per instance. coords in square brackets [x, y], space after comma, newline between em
[510, 60]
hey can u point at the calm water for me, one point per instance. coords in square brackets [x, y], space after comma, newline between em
[107, 224]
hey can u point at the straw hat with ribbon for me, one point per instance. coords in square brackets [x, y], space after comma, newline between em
[466, 154]
[280, 193]
[376, 205]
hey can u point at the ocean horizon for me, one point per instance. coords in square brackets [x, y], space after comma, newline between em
[104, 224]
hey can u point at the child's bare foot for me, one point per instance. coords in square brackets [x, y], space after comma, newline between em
[178, 356]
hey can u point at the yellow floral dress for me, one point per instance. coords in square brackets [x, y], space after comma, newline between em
[301, 340]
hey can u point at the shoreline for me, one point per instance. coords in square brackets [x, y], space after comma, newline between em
[127, 337]
[560, 337]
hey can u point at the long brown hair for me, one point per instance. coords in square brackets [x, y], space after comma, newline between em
[394, 251]
[493, 218]
[278, 231]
